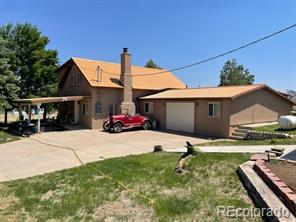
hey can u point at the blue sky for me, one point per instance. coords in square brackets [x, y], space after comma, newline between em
[172, 33]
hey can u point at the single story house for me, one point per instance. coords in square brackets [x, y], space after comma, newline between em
[107, 88]
[215, 111]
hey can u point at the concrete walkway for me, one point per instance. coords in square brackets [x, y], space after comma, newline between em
[254, 125]
[237, 149]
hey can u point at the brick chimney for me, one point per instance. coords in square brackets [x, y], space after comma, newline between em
[127, 106]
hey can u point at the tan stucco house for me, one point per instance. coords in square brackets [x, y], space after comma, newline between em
[216, 111]
[109, 88]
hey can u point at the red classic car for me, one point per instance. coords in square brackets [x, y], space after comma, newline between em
[118, 122]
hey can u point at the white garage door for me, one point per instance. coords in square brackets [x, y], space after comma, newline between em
[180, 116]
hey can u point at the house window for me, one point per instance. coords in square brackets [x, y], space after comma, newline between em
[98, 108]
[85, 108]
[148, 107]
[79, 80]
[111, 109]
[214, 109]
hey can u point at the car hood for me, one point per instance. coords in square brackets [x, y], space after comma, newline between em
[118, 116]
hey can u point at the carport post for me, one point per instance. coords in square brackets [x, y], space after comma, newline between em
[38, 124]
[29, 113]
[20, 112]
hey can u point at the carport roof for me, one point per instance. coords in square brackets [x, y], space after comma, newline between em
[50, 99]
[221, 92]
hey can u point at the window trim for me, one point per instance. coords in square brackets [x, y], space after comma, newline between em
[150, 107]
[85, 108]
[96, 104]
[214, 103]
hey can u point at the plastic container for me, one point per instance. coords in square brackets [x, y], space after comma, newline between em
[287, 122]
[154, 124]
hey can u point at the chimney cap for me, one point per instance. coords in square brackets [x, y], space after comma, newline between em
[125, 50]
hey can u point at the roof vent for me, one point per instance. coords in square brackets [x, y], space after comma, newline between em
[125, 50]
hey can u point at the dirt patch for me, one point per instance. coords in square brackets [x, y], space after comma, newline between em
[125, 209]
[6, 202]
[177, 192]
[96, 177]
[6, 199]
[57, 195]
[286, 171]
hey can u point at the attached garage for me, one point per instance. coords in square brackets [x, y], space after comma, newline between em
[215, 111]
[180, 116]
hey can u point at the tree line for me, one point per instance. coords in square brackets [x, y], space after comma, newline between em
[27, 67]
[232, 73]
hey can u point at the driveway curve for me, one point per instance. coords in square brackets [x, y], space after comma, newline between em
[53, 151]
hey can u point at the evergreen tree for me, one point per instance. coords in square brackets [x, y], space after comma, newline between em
[151, 64]
[8, 80]
[234, 74]
[31, 62]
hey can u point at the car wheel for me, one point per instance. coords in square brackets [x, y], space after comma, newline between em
[117, 127]
[146, 125]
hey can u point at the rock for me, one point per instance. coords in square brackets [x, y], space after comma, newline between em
[158, 148]
[278, 149]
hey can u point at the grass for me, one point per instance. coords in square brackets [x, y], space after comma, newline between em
[275, 129]
[6, 137]
[81, 194]
[286, 141]
[270, 128]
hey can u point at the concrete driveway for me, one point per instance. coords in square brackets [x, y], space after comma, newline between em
[53, 151]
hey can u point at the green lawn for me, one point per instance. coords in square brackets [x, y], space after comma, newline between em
[270, 128]
[6, 137]
[275, 129]
[84, 194]
[286, 141]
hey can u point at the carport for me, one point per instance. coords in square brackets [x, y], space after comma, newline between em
[42, 100]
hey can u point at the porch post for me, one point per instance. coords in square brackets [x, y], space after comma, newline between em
[5, 116]
[76, 112]
[20, 112]
[38, 123]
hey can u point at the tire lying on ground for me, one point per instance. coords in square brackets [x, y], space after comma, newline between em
[287, 122]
